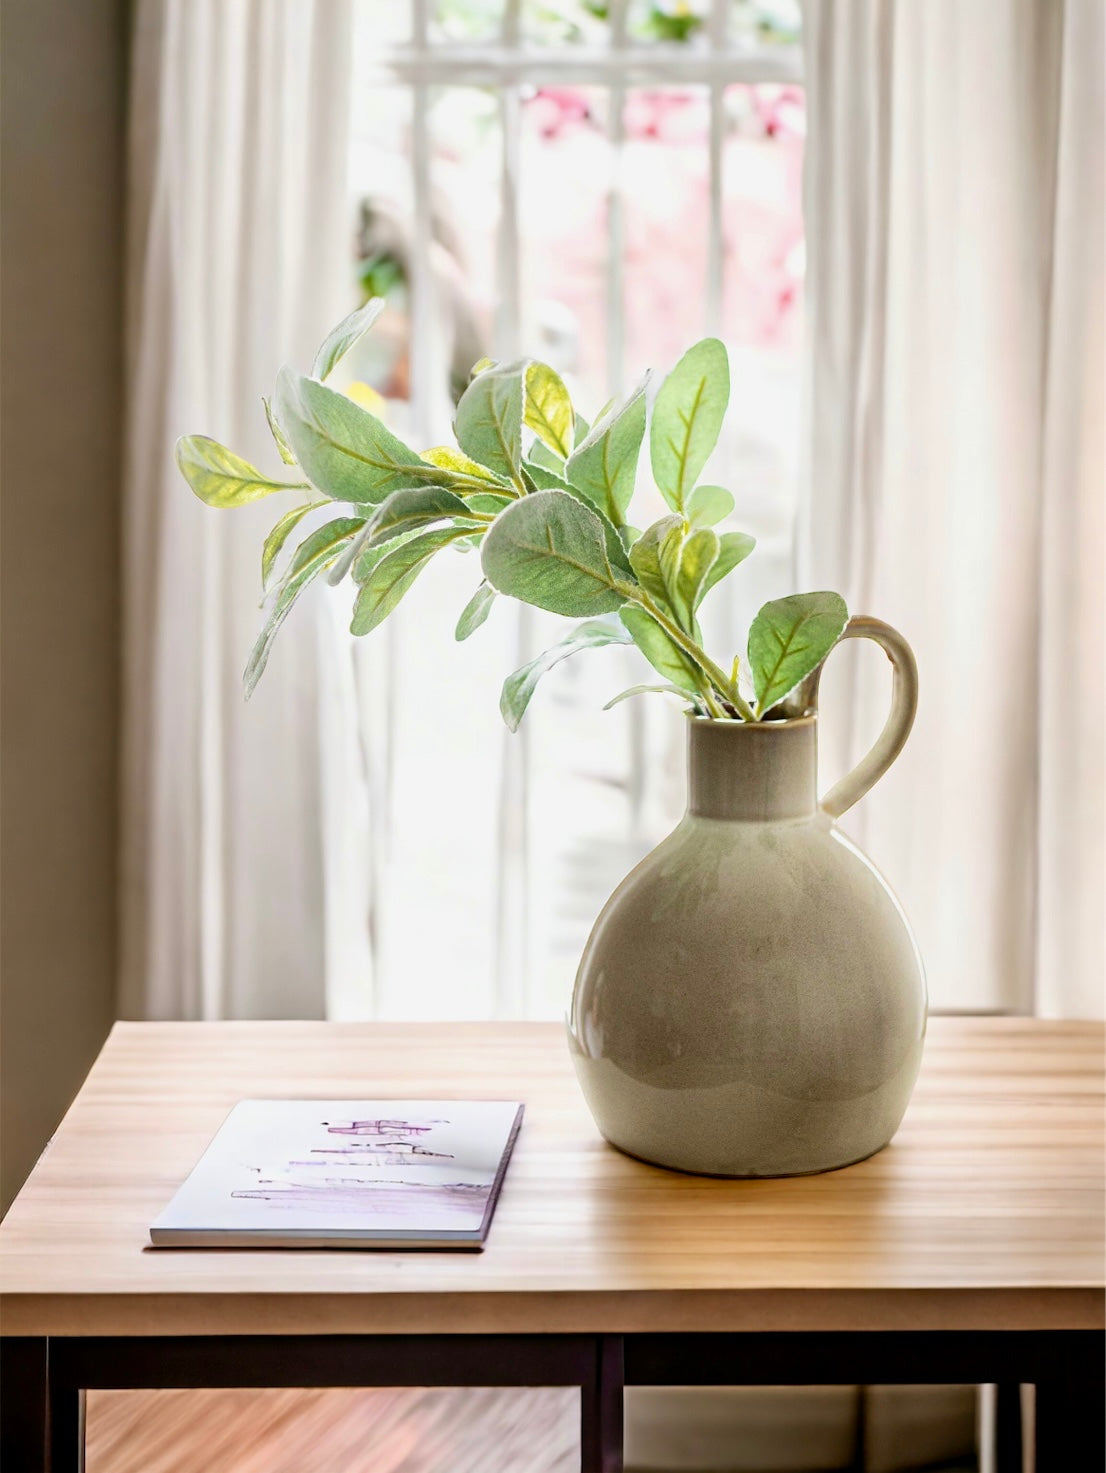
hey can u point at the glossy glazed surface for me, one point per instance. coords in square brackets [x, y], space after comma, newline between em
[751, 1001]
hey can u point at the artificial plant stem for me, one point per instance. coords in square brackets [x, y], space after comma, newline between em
[717, 675]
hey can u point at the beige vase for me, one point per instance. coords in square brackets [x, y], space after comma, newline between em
[751, 1001]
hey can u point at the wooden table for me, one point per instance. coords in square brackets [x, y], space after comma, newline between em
[971, 1250]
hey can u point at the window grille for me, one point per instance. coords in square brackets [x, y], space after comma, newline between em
[412, 57]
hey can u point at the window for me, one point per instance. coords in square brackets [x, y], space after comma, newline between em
[597, 185]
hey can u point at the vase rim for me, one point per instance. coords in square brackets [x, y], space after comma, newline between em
[789, 724]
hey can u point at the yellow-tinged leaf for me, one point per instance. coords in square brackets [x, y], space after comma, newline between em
[549, 409]
[221, 478]
[368, 398]
[449, 459]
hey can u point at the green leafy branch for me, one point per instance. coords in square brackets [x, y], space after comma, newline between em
[546, 498]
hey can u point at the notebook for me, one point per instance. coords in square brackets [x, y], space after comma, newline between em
[346, 1174]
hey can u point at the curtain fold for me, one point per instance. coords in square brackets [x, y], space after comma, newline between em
[954, 476]
[238, 261]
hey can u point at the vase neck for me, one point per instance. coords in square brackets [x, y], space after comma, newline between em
[752, 771]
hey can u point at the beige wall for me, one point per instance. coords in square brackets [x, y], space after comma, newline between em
[62, 110]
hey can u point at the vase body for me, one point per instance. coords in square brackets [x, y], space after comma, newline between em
[751, 1001]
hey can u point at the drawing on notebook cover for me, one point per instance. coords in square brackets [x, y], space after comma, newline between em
[345, 1172]
[295, 1183]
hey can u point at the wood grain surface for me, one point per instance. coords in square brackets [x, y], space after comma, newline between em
[985, 1212]
[334, 1431]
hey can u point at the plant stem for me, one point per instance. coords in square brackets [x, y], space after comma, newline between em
[725, 687]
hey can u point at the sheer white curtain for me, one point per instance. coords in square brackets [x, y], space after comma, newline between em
[239, 261]
[954, 182]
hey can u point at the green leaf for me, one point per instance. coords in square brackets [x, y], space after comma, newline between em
[491, 503]
[548, 408]
[789, 638]
[543, 478]
[542, 455]
[346, 451]
[328, 539]
[604, 465]
[282, 445]
[641, 690]
[279, 536]
[221, 478]
[687, 417]
[697, 559]
[342, 338]
[393, 574]
[658, 649]
[655, 558]
[313, 555]
[709, 505]
[519, 687]
[349, 555]
[582, 430]
[475, 612]
[449, 459]
[733, 548]
[489, 419]
[552, 551]
[404, 510]
[481, 366]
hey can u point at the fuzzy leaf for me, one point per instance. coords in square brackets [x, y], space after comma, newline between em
[328, 538]
[542, 478]
[392, 575]
[789, 638]
[655, 558]
[449, 459]
[341, 339]
[552, 551]
[348, 454]
[658, 649]
[279, 536]
[542, 455]
[491, 503]
[279, 437]
[641, 690]
[489, 419]
[405, 510]
[733, 548]
[687, 418]
[709, 505]
[475, 612]
[548, 408]
[519, 687]
[604, 465]
[221, 478]
[313, 555]
[697, 559]
[348, 556]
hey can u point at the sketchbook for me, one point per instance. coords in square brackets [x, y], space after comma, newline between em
[346, 1174]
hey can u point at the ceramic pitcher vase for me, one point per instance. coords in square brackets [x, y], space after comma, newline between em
[751, 1001]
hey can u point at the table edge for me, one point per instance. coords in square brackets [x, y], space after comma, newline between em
[1075, 1307]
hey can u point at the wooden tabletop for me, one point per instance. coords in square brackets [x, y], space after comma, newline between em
[985, 1212]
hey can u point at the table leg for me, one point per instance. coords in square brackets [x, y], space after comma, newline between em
[67, 1408]
[601, 1410]
[22, 1404]
[1070, 1425]
[1008, 1427]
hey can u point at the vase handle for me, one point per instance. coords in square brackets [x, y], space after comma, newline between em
[904, 705]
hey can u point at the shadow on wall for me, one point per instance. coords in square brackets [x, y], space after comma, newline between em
[63, 87]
